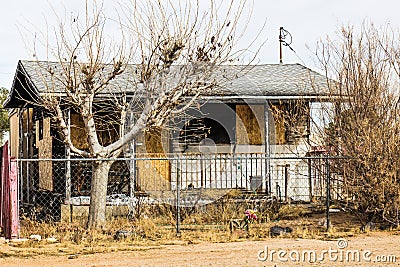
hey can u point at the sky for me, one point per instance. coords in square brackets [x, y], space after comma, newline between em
[308, 21]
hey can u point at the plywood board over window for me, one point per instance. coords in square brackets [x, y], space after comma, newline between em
[78, 134]
[278, 135]
[44, 143]
[250, 124]
[154, 175]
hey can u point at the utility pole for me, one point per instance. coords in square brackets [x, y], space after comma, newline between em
[280, 44]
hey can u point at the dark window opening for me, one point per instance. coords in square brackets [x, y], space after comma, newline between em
[198, 129]
[217, 132]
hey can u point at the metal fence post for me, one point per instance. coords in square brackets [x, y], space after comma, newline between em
[287, 166]
[310, 186]
[328, 190]
[178, 198]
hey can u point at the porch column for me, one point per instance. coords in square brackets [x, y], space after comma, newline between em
[21, 156]
[267, 148]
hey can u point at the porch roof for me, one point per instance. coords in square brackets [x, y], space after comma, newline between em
[32, 79]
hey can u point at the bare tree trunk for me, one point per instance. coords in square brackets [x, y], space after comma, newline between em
[98, 194]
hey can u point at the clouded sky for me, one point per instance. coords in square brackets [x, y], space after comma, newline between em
[307, 20]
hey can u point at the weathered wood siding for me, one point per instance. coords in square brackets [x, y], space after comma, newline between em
[14, 135]
[44, 143]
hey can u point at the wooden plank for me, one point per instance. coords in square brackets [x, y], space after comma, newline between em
[153, 175]
[78, 134]
[278, 113]
[14, 135]
[250, 124]
[45, 152]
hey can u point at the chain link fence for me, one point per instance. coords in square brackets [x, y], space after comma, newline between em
[59, 189]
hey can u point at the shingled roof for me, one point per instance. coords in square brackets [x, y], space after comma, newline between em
[267, 80]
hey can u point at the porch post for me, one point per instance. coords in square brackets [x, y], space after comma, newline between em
[267, 150]
[21, 156]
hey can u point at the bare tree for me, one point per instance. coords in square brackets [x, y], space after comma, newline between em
[365, 119]
[178, 53]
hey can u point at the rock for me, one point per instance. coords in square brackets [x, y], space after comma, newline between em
[369, 226]
[35, 237]
[73, 256]
[123, 234]
[278, 230]
[51, 239]
[322, 222]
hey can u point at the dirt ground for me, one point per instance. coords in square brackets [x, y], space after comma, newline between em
[383, 246]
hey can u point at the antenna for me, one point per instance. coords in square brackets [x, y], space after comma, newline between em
[283, 34]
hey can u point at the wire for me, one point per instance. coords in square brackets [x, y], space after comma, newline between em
[283, 34]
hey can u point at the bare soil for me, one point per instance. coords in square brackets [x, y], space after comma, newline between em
[241, 253]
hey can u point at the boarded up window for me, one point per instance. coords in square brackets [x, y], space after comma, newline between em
[78, 134]
[291, 121]
[279, 134]
[45, 152]
[153, 174]
[250, 124]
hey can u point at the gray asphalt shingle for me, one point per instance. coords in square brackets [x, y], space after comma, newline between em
[256, 80]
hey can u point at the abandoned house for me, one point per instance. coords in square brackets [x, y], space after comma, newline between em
[238, 137]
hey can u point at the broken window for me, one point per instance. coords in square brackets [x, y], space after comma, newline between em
[215, 121]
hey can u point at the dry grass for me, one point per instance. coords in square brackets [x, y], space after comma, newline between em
[156, 227]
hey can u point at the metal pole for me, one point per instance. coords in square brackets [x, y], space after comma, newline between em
[132, 168]
[68, 163]
[178, 197]
[327, 192]
[286, 181]
[310, 189]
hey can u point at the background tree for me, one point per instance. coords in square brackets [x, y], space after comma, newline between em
[365, 123]
[178, 54]
[4, 123]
